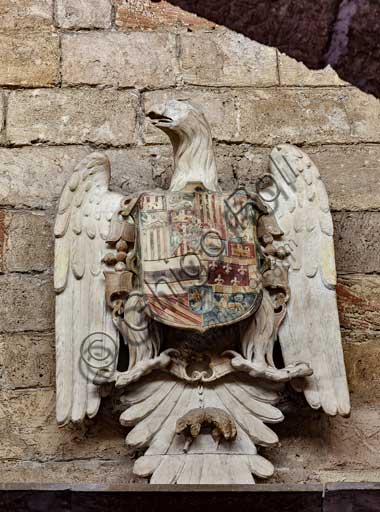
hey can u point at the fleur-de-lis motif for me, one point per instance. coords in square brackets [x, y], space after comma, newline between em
[227, 268]
[219, 279]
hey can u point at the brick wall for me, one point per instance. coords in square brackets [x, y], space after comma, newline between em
[76, 76]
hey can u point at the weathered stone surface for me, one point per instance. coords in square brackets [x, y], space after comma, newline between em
[312, 442]
[145, 14]
[33, 58]
[357, 237]
[29, 244]
[34, 176]
[69, 116]
[2, 118]
[360, 475]
[27, 360]
[359, 307]
[21, 14]
[89, 14]
[354, 442]
[362, 364]
[351, 175]
[297, 74]
[307, 116]
[31, 414]
[28, 303]
[136, 59]
[2, 239]
[74, 472]
[224, 58]
[138, 169]
[218, 106]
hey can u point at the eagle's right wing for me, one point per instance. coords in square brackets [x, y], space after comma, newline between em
[82, 225]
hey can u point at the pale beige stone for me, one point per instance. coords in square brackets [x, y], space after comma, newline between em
[77, 14]
[69, 116]
[135, 59]
[34, 176]
[21, 14]
[308, 116]
[29, 242]
[32, 58]
[218, 106]
[296, 73]
[351, 174]
[358, 304]
[362, 363]
[74, 472]
[31, 414]
[226, 58]
[28, 360]
[360, 475]
[28, 303]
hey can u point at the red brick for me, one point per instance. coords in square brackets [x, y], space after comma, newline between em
[144, 14]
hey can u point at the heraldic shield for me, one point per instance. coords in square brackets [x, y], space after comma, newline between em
[200, 259]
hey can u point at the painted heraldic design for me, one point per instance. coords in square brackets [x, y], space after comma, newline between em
[200, 264]
[199, 285]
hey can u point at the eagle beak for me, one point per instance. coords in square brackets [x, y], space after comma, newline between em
[158, 118]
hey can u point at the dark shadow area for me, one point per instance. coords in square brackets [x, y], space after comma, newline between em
[343, 33]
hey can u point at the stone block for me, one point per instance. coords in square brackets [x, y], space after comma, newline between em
[70, 116]
[312, 443]
[224, 58]
[145, 15]
[136, 59]
[28, 360]
[32, 58]
[29, 244]
[362, 365]
[359, 307]
[28, 303]
[72, 14]
[357, 235]
[294, 73]
[26, 14]
[351, 175]
[77, 472]
[307, 116]
[33, 177]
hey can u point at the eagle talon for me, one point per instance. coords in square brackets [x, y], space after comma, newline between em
[264, 371]
[144, 368]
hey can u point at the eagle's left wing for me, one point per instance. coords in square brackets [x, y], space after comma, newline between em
[310, 331]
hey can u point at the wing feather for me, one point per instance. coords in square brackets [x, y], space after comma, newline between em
[79, 284]
[310, 331]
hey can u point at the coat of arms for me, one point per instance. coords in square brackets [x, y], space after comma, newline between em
[199, 285]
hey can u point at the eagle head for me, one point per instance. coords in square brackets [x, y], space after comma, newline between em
[190, 135]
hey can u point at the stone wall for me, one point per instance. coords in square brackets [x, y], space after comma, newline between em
[76, 76]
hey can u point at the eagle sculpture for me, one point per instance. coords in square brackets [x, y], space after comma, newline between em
[177, 298]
